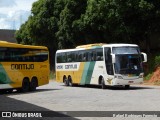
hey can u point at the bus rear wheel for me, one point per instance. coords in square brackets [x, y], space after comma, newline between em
[25, 85]
[33, 84]
[10, 90]
[65, 80]
[70, 81]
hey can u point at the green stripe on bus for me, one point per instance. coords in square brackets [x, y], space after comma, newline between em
[84, 74]
[90, 72]
[4, 79]
[87, 73]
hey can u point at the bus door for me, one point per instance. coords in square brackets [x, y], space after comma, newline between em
[109, 64]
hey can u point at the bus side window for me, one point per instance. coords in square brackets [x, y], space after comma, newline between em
[59, 58]
[99, 56]
[68, 57]
[64, 57]
[93, 56]
[73, 57]
[80, 56]
[2, 55]
[84, 57]
[76, 56]
[89, 56]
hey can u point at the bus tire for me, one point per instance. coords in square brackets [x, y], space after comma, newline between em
[70, 81]
[10, 90]
[65, 80]
[103, 86]
[33, 84]
[25, 85]
[127, 86]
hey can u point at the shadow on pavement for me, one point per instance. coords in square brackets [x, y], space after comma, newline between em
[113, 87]
[12, 105]
[15, 92]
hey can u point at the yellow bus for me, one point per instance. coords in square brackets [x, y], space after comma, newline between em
[23, 67]
[101, 64]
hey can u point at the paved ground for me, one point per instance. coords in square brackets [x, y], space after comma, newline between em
[56, 97]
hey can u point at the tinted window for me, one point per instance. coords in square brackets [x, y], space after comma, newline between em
[23, 55]
[81, 56]
[108, 61]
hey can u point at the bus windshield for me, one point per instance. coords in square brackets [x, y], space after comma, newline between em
[128, 64]
[128, 60]
[126, 50]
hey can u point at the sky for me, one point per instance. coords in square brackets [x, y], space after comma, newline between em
[13, 13]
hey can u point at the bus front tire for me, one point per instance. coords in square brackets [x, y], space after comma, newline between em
[103, 86]
[25, 85]
[127, 86]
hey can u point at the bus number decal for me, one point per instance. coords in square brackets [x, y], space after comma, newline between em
[71, 66]
[67, 67]
[60, 67]
[22, 66]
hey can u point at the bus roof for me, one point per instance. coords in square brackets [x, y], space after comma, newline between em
[15, 45]
[92, 46]
[120, 45]
[105, 45]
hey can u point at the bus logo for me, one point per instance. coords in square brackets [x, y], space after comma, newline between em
[22, 66]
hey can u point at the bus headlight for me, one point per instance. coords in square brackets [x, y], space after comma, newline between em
[140, 76]
[119, 77]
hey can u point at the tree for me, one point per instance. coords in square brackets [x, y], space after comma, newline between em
[68, 35]
[61, 24]
[42, 26]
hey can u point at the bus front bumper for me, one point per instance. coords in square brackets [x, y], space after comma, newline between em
[117, 81]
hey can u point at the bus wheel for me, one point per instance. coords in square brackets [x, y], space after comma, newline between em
[25, 85]
[65, 80]
[103, 86]
[10, 90]
[127, 86]
[33, 84]
[70, 81]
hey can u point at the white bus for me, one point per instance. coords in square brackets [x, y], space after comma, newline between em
[101, 64]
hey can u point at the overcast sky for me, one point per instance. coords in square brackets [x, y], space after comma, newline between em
[14, 12]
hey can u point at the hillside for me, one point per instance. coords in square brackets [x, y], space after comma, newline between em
[155, 79]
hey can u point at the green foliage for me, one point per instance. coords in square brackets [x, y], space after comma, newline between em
[60, 24]
[148, 76]
[157, 61]
[52, 75]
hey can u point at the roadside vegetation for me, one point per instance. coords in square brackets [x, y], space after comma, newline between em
[52, 75]
[61, 24]
[152, 71]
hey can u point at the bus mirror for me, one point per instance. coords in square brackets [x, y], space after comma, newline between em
[113, 58]
[144, 57]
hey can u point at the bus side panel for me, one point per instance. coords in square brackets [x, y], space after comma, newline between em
[42, 73]
[13, 75]
[79, 73]
[5, 80]
[98, 70]
[62, 70]
[87, 73]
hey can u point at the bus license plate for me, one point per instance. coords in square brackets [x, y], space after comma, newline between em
[130, 82]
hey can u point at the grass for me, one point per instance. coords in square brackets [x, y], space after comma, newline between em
[148, 76]
[150, 65]
[52, 75]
